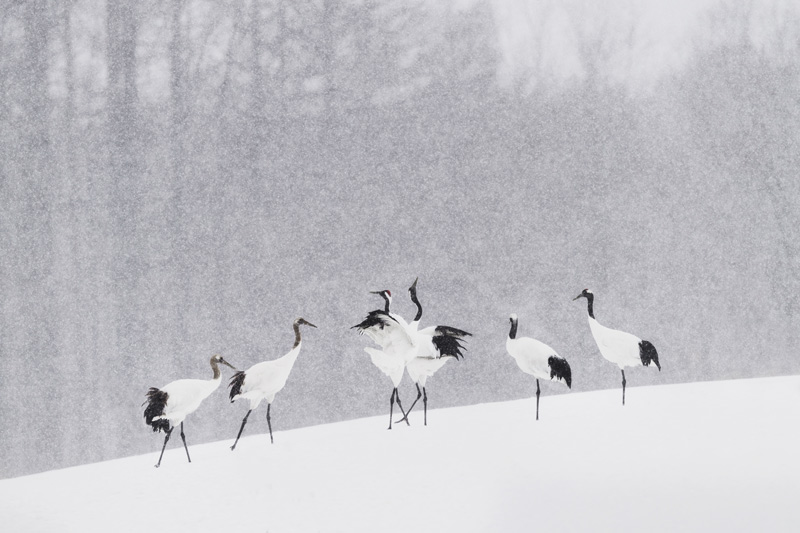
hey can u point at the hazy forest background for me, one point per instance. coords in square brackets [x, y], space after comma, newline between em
[184, 178]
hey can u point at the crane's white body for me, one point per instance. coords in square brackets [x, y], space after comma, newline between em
[616, 346]
[388, 363]
[423, 341]
[396, 338]
[168, 406]
[264, 380]
[185, 396]
[421, 368]
[426, 360]
[532, 356]
[537, 359]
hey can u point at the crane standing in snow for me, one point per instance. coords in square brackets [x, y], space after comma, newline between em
[264, 380]
[537, 359]
[171, 404]
[619, 347]
[435, 346]
[390, 332]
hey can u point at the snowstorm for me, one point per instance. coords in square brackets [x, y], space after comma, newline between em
[184, 179]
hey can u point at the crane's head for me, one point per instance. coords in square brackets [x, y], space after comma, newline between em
[218, 359]
[512, 334]
[585, 293]
[385, 294]
[413, 288]
[303, 322]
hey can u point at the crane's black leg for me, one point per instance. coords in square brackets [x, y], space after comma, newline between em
[396, 395]
[391, 406]
[623, 387]
[405, 415]
[244, 421]
[419, 395]
[183, 438]
[425, 403]
[269, 424]
[538, 392]
[166, 439]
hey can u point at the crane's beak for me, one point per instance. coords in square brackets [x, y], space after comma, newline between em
[414, 285]
[224, 362]
[578, 296]
[310, 324]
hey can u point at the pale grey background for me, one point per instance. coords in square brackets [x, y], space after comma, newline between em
[179, 179]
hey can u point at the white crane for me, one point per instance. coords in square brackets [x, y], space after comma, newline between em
[619, 347]
[537, 359]
[435, 346]
[263, 381]
[390, 332]
[171, 404]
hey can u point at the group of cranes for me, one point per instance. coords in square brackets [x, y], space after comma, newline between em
[542, 362]
[403, 348]
[169, 405]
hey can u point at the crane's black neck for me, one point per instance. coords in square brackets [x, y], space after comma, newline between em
[386, 299]
[513, 333]
[419, 305]
[590, 300]
[296, 335]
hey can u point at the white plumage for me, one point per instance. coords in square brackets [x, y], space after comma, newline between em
[432, 348]
[618, 347]
[171, 404]
[263, 381]
[390, 365]
[537, 359]
[421, 368]
[390, 332]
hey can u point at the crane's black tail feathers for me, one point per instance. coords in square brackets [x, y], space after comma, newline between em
[648, 354]
[446, 340]
[559, 369]
[156, 402]
[236, 384]
[452, 332]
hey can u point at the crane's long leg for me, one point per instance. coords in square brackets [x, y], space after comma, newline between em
[623, 387]
[405, 415]
[538, 392]
[391, 406]
[244, 421]
[166, 439]
[425, 403]
[269, 424]
[396, 395]
[419, 395]
[183, 438]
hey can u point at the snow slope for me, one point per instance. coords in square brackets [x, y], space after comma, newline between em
[720, 456]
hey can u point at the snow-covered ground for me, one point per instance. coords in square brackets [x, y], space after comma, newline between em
[721, 456]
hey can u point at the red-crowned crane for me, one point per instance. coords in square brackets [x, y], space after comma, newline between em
[619, 347]
[435, 346]
[263, 381]
[537, 359]
[171, 404]
[390, 332]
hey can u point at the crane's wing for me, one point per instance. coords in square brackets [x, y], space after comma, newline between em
[441, 341]
[388, 331]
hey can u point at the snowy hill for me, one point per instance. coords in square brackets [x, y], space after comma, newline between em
[719, 456]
